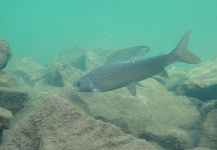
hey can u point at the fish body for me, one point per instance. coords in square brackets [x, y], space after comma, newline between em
[116, 74]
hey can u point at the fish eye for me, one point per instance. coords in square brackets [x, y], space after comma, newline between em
[78, 84]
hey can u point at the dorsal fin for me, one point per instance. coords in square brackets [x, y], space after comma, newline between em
[127, 54]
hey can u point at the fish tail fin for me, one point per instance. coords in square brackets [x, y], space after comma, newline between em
[183, 54]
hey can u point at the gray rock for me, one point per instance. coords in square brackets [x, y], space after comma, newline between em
[59, 125]
[200, 148]
[12, 99]
[209, 131]
[197, 103]
[5, 53]
[207, 107]
[74, 57]
[176, 76]
[155, 114]
[61, 74]
[201, 82]
[7, 79]
[28, 70]
[84, 59]
[5, 116]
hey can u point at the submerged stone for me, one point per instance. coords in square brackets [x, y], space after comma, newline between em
[83, 59]
[28, 70]
[7, 79]
[61, 74]
[5, 116]
[12, 99]
[209, 131]
[58, 125]
[201, 82]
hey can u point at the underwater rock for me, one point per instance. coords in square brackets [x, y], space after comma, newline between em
[58, 125]
[84, 59]
[199, 148]
[201, 82]
[209, 131]
[154, 114]
[207, 107]
[176, 140]
[60, 74]
[5, 116]
[7, 80]
[74, 57]
[12, 99]
[5, 53]
[28, 70]
[176, 76]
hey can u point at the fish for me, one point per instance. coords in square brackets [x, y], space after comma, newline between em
[126, 67]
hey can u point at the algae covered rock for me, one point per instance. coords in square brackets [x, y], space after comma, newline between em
[61, 74]
[209, 131]
[27, 69]
[84, 59]
[7, 79]
[5, 116]
[12, 99]
[207, 107]
[5, 53]
[155, 114]
[59, 125]
[201, 82]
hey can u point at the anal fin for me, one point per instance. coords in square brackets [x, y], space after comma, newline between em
[132, 88]
[164, 74]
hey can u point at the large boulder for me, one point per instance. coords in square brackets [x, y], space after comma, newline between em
[5, 117]
[5, 53]
[209, 131]
[12, 99]
[207, 107]
[28, 70]
[61, 74]
[7, 79]
[84, 59]
[58, 125]
[201, 82]
[155, 114]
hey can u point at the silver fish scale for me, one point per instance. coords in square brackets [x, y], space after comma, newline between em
[117, 75]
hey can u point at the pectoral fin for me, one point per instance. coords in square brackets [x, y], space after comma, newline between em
[97, 94]
[164, 74]
[132, 88]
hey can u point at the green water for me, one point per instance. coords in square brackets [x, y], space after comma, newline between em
[42, 29]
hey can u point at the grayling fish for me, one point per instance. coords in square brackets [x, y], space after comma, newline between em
[126, 66]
